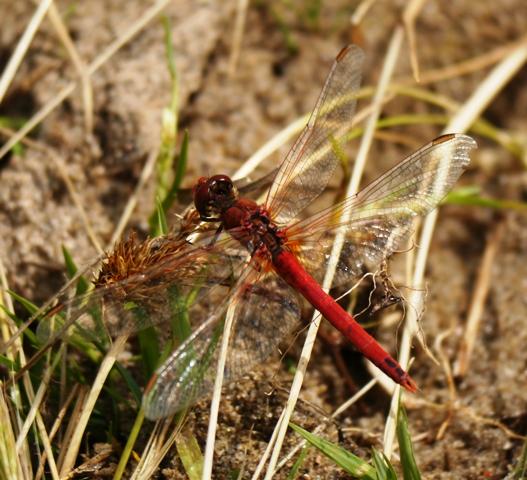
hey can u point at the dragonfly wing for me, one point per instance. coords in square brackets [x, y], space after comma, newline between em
[266, 311]
[379, 219]
[311, 161]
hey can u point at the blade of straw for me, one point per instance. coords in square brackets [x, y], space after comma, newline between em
[22, 46]
[216, 396]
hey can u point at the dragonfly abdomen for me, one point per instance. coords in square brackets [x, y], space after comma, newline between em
[291, 270]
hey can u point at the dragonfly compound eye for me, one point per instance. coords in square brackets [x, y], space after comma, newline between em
[222, 192]
[220, 185]
[214, 195]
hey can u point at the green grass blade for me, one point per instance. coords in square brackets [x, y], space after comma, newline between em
[181, 328]
[148, 339]
[311, 13]
[171, 58]
[71, 268]
[383, 466]
[298, 463]
[349, 462]
[158, 222]
[130, 442]
[12, 122]
[169, 129]
[181, 168]
[190, 455]
[481, 128]
[470, 196]
[290, 41]
[235, 474]
[170, 116]
[149, 345]
[410, 469]
[30, 307]
[182, 160]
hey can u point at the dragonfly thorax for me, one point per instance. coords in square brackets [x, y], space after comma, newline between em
[217, 200]
[251, 225]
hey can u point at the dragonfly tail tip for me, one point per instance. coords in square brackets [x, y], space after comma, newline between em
[408, 383]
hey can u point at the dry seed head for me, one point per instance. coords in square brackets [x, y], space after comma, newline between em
[136, 270]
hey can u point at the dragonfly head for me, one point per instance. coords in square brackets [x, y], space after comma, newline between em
[214, 195]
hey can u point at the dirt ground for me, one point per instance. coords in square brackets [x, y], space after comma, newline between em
[285, 55]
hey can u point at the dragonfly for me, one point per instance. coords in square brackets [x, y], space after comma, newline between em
[285, 257]
[263, 258]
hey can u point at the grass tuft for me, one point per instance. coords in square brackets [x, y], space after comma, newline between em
[408, 463]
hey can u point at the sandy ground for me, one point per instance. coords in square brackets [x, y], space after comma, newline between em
[228, 119]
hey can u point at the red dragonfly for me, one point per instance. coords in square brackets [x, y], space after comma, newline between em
[263, 258]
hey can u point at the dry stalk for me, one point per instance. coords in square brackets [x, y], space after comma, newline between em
[237, 36]
[9, 461]
[5, 81]
[36, 402]
[410, 14]
[216, 395]
[361, 11]
[465, 412]
[54, 429]
[61, 168]
[268, 449]
[90, 466]
[287, 133]
[80, 400]
[46, 442]
[79, 65]
[22, 46]
[72, 450]
[271, 146]
[7, 326]
[466, 67]
[157, 447]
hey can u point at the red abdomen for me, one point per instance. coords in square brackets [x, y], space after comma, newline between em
[290, 269]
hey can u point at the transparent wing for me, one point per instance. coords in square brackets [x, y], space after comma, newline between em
[379, 219]
[266, 311]
[310, 163]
